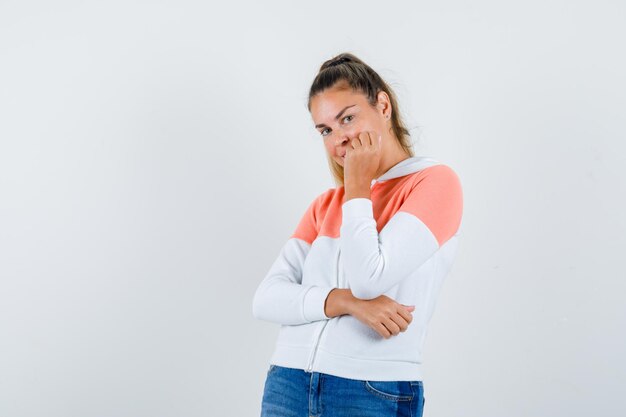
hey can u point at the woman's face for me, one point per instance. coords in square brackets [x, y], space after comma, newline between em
[340, 115]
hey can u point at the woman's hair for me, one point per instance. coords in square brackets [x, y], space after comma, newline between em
[346, 71]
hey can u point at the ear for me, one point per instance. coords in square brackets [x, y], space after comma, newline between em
[383, 103]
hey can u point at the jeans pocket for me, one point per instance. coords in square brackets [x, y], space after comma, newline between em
[391, 390]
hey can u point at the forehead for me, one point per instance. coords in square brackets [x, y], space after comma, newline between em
[325, 105]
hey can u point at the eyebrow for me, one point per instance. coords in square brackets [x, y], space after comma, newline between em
[336, 117]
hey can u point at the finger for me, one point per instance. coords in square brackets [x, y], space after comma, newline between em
[408, 317]
[373, 137]
[382, 330]
[391, 325]
[365, 138]
[400, 322]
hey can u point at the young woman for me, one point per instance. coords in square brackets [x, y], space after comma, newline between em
[355, 285]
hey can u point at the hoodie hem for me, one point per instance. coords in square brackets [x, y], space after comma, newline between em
[361, 369]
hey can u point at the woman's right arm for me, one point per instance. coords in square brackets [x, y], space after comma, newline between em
[282, 298]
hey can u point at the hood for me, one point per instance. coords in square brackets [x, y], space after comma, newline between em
[406, 167]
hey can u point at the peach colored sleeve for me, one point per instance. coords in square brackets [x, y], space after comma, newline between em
[307, 228]
[437, 200]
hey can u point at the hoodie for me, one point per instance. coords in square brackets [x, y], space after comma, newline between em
[401, 242]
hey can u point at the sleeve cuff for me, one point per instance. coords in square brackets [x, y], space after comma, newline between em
[356, 208]
[314, 301]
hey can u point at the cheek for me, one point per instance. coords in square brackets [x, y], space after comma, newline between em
[355, 129]
[359, 128]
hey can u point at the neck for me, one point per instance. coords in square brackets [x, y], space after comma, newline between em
[390, 159]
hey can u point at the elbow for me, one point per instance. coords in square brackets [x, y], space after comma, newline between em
[257, 307]
[366, 289]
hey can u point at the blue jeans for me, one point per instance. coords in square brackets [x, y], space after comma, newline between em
[290, 392]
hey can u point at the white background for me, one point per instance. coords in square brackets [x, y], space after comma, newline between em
[155, 156]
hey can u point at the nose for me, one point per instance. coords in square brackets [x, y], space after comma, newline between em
[342, 140]
[340, 145]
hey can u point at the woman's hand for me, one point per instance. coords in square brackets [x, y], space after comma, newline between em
[362, 159]
[382, 314]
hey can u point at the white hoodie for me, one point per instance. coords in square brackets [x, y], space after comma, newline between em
[400, 243]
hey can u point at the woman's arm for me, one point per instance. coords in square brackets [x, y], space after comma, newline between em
[340, 301]
[282, 298]
[430, 216]
[383, 314]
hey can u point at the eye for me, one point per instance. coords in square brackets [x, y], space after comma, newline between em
[350, 115]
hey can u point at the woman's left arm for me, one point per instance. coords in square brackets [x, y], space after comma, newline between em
[430, 216]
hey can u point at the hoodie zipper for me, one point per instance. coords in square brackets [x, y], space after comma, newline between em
[312, 356]
[319, 335]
